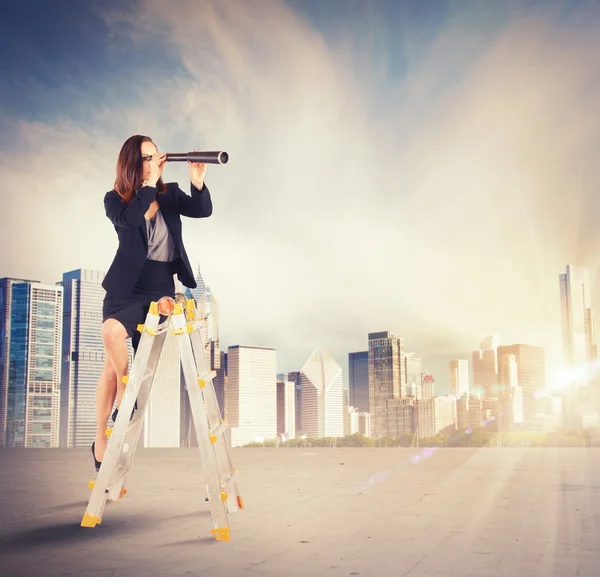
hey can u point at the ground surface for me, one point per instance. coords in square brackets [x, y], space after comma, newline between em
[311, 512]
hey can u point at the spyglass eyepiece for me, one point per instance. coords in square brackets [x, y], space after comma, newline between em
[209, 157]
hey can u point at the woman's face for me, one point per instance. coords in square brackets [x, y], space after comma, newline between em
[148, 149]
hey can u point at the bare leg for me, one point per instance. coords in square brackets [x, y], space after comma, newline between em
[113, 336]
[105, 398]
[110, 384]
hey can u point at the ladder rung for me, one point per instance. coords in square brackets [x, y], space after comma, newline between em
[207, 378]
[229, 484]
[217, 432]
[194, 326]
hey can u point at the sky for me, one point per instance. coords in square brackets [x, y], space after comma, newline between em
[427, 168]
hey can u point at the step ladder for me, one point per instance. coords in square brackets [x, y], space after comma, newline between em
[179, 316]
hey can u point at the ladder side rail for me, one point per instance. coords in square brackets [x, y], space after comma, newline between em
[199, 416]
[218, 426]
[105, 477]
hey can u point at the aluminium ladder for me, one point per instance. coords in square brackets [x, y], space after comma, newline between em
[223, 496]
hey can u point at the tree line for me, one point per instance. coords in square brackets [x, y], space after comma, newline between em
[476, 437]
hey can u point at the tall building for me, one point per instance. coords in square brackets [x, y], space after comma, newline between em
[512, 393]
[286, 408]
[296, 378]
[351, 420]
[427, 386]
[412, 363]
[364, 424]
[251, 395]
[208, 309]
[400, 415]
[531, 373]
[459, 377]
[358, 380]
[387, 377]
[83, 355]
[485, 366]
[435, 415]
[34, 368]
[578, 324]
[6, 285]
[322, 397]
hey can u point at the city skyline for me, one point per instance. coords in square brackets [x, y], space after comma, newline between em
[365, 131]
[555, 380]
[45, 326]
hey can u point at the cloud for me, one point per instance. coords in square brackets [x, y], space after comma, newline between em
[441, 205]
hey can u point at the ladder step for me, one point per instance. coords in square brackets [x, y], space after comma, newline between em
[217, 431]
[194, 326]
[207, 378]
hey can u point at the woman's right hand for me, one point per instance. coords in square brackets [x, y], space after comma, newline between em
[156, 167]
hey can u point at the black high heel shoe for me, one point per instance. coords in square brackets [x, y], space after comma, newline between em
[116, 413]
[97, 463]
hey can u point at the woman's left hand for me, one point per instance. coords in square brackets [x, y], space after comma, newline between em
[197, 172]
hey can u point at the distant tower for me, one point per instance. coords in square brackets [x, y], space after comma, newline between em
[578, 322]
[322, 398]
[387, 377]
[413, 375]
[459, 378]
[358, 380]
[208, 309]
[251, 394]
[486, 368]
[34, 355]
[83, 355]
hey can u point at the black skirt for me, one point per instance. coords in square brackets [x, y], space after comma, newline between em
[155, 281]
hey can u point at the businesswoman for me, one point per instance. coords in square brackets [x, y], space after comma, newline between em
[146, 215]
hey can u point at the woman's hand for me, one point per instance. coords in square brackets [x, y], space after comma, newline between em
[197, 172]
[156, 167]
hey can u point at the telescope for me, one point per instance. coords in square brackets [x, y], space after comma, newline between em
[209, 157]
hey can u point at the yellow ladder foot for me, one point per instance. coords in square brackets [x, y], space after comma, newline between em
[221, 534]
[90, 521]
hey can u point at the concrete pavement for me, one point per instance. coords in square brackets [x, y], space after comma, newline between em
[311, 512]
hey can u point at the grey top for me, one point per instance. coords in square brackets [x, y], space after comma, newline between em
[160, 243]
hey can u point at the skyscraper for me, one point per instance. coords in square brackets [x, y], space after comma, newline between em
[485, 366]
[427, 386]
[578, 323]
[358, 380]
[286, 408]
[251, 395]
[6, 285]
[435, 414]
[387, 377]
[83, 355]
[208, 309]
[296, 378]
[412, 363]
[322, 399]
[459, 378]
[34, 369]
[531, 372]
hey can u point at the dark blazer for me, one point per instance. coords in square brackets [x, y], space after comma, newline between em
[130, 224]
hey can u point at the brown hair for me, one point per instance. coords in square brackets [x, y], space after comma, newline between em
[129, 169]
